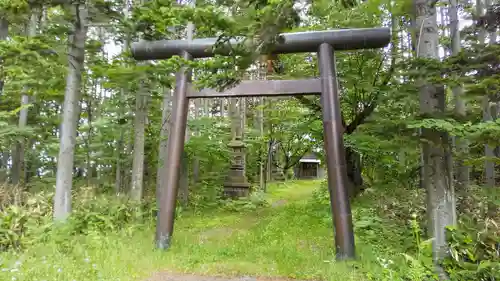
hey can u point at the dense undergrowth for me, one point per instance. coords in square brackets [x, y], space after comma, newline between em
[286, 232]
[394, 220]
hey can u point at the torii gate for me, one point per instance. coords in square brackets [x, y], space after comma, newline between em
[322, 42]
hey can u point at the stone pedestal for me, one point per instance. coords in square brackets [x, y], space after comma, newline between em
[236, 184]
[276, 172]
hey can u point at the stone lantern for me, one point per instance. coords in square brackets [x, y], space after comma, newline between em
[236, 184]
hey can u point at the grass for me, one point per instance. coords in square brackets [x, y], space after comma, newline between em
[291, 240]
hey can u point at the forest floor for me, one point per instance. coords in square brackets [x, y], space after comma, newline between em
[288, 240]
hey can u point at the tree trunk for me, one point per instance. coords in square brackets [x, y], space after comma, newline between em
[31, 163]
[90, 117]
[242, 112]
[462, 170]
[354, 169]
[269, 161]
[4, 160]
[4, 32]
[489, 153]
[479, 13]
[222, 102]
[18, 163]
[494, 108]
[4, 28]
[95, 113]
[206, 106]
[18, 157]
[141, 112]
[196, 160]
[260, 118]
[162, 149]
[121, 179]
[437, 181]
[76, 58]
[126, 166]
[119, 168]
[489, 165]
[119, 148]
[270, 144]
[184, 180]
[141, 104]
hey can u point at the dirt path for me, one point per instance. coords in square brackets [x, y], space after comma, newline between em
[278, 197]
[166, 276]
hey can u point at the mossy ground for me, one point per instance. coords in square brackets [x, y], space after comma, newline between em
[289, 239]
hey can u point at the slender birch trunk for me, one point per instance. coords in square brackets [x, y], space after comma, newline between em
[437, 180]
[462, 170]
[71, 111]
[141, 114]
[18, 157]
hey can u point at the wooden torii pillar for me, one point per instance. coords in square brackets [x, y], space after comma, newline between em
[322, 42]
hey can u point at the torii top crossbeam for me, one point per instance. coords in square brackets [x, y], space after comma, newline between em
[298, 42]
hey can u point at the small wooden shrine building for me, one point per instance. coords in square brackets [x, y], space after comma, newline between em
[309, 167]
